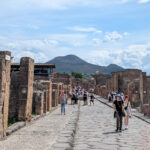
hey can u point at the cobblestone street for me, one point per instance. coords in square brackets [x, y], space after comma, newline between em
[40, 134]
[96, 130]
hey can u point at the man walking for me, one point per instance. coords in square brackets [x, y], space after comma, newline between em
[63, 98]
[118, 108]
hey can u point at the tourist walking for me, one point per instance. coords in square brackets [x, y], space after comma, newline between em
[92, 99]
[76, 98]
[128, 109]
[73, 97]
[109, 97]
[118, 106]
[85, 98]
[63, 98]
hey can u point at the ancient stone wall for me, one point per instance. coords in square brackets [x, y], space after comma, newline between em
[66, 79]
[55, 94]
[115, 81]
[61, 89]
[38, 103]
[101, 79]
[41, 99]
[5, 59]
[25, 89]
[84, 83]
[48, 95]
[14, 96]
[22, 91]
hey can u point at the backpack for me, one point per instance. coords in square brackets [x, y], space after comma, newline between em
[73, 97]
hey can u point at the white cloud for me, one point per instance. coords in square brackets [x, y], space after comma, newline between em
[43, 50]
[134, 56]
[21, 5]
[83, 29]
[112, 36]
[15, 6]
[96, 42]
[126, 33]
[69, 39]
[144, 1]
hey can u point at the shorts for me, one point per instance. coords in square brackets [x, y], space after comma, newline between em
[127, 111]
[92, 100]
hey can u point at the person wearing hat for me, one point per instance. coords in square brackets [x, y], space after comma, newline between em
[118, 106]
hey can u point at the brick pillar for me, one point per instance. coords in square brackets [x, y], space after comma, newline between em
[26, 89]
[49, 94]
[5, 60]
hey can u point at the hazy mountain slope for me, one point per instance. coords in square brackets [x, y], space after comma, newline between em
[72, 63]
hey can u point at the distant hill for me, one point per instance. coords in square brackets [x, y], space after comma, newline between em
[72, 63]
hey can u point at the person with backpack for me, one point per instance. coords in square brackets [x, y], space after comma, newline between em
[76, 98]
[127, 107]
[63, 98]
[73, 97]
[118, 106]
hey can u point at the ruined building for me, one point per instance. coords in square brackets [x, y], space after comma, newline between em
[27, 89]
[132, 82]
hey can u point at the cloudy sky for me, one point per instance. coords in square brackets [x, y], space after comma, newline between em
[99, 31]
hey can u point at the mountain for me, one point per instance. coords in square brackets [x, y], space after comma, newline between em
[72, 63]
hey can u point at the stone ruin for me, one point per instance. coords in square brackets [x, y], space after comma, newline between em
[132, 82]
[5, 61]
[27, 89]
[84, 83]
[21, 91]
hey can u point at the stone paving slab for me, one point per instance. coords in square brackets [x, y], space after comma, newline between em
[40, 134]
[96, 131]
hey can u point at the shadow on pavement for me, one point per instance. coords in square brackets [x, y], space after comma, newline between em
[113, 132]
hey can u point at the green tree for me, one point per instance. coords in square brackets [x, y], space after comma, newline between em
[77, 75]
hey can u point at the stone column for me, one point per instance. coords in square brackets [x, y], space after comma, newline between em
[49, 94]
[26, 89]
[39, 103]
[141, 90]
[5, 60]
[115, 81]
[55, 94]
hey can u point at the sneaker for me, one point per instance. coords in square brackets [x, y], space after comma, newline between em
[116, 130]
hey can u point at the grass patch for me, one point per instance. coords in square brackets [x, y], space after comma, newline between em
[11, 121]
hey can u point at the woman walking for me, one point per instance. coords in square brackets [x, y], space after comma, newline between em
[127, 107]
[118, 106]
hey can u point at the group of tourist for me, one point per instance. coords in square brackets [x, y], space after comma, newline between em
[80, 93]
[122, 108]
[121, 104]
